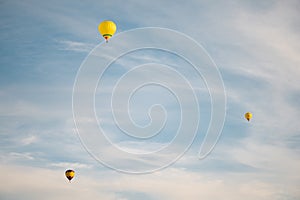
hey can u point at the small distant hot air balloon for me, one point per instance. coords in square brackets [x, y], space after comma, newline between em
[248, 116]
[70, 174]
[107, 29]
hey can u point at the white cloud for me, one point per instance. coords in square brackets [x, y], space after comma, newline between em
[272, 39]
[72, 165]
[35, 183]
[75, 46]
[275, 158]
[140, 147]
[12, 157]
[167, 184]
[29, 140]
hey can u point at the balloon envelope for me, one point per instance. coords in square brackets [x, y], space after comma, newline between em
[107, 29]
[248, 116]
[70, 174]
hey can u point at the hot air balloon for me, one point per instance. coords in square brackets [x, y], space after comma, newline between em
[248, 116]
[107, 29]
[70, 174]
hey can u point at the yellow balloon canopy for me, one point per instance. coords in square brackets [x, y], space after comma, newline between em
[70, 174]
[248, 116]
[107, 29]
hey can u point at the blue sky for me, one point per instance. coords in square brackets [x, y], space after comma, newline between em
[255, 46]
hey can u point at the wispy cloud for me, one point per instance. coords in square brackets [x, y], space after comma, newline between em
[113, 186]
[53, 180]
[73, 165]
[29, 140]
[26, 155]
[75, 46]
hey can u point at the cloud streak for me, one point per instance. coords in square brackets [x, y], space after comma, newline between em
[75, 46]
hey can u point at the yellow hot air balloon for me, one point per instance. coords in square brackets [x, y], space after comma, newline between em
[248, 116]
[107, 29]
[70, 174]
